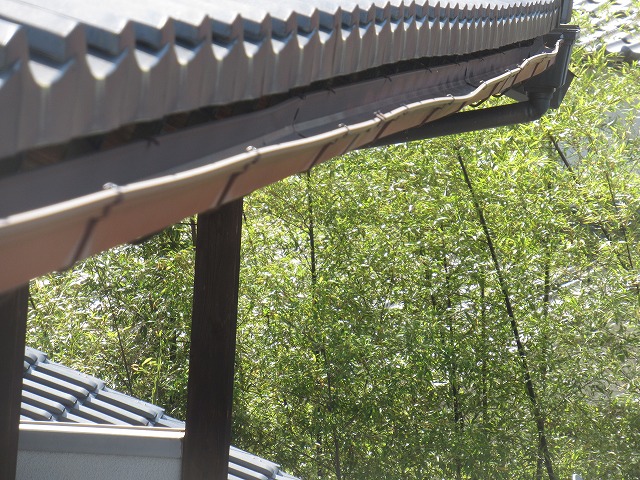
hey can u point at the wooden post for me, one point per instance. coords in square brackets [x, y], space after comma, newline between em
[213, 341]
[13, 323]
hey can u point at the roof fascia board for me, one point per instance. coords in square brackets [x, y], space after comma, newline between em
[101, 439]
[124, 441]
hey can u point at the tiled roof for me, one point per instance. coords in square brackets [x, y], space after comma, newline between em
[615, 25]
[54, 393]
[82, 70]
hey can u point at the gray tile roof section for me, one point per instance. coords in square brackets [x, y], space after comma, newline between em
[79, 70]
[615, 26]
[55, 393]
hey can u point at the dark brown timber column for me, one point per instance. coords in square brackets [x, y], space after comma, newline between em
[13, 323]
[213, 343]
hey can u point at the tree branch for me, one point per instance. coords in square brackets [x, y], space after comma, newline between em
[537, 414]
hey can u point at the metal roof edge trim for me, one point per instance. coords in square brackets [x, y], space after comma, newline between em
[119, 214]
[92, 76]
[101, 439]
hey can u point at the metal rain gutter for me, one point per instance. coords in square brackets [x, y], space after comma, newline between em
[55, 216]
[544, 91]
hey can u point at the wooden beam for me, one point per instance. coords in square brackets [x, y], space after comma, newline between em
[213, 342]
[13, 324]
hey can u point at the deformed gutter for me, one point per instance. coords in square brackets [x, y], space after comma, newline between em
[543, 92]
[472, 120]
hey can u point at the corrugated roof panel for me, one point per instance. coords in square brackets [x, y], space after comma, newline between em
[52, 36]
[106, 197]
[91, 70]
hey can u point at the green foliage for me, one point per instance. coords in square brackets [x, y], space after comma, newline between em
[399, 358]
[373, 338]
[123, 316]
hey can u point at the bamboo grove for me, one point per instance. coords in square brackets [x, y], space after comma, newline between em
[461, 308]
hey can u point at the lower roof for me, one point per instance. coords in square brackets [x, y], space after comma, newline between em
[77, 403]
[615, 26]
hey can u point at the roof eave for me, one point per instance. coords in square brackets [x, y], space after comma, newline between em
[97, 201]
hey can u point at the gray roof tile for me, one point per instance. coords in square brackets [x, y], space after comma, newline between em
[55, 393]
[51, 406]
[69, 395]
[33, 356]
[72, 376]
[72, 418]
[48, 392]
[57, 384]
[88, 70]
[169, 422]
[614, 25]
[269, 469]
[35, 413]
[91, 415]
[126, 416]
[246, 473]
[116, 399]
